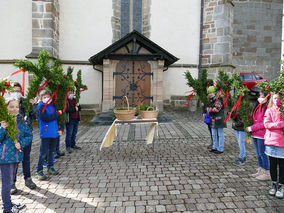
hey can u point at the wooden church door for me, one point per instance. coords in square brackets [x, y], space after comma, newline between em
[133, 80]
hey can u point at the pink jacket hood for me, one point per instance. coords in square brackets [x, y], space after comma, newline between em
[274, 124]
[258, 129]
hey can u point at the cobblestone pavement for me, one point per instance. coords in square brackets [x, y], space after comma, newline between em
[185, 179]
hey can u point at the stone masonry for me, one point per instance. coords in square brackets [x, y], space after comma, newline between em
[217, 36]
[45, 27]
[257, 36]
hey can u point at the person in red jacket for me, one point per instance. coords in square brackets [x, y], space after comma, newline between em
[257, 133]
[274, 142]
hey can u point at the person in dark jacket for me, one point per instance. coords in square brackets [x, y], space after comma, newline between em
[72, 122]
[48, 127]
[11, 154]
[27, 150]
[216, 111]
[238, 126]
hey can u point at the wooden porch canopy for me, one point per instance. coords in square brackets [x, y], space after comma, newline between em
[139, 41]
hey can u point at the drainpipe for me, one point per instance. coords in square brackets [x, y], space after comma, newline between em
[94, 66]
[200, 39]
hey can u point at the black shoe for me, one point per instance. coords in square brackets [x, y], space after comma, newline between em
[209, 146]
[55, 155]
[30, 184]
[213, 150]
[68, 150]
[18, 205]
[60, 153]
[14, 190]
[218, 152]
[75, 147]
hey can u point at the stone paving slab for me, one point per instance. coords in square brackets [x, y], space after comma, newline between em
[187, 178]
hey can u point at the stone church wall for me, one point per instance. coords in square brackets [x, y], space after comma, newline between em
[257, 36]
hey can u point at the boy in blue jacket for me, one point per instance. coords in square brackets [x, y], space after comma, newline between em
[48, 127]
[11, 154]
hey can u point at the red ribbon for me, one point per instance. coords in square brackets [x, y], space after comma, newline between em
[41, 87]
[50, 98]
[226, 98]
[82, 90]
[188, 100]
[14, 73]
[3, 92]
[23, 82]
[253, 115]
[236, 106]
[66, 95]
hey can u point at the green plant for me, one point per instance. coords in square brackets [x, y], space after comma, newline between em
[4, 114]
[199, 85]
[144, 107]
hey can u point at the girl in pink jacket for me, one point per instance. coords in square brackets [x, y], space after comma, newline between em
[257, 133]
[274, 142]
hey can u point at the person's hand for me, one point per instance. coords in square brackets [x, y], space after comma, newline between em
[60, 111]
[32, 101]
[18, 145]
[60, 132]
[77, 109]
[4, 124]
[248, 129]
[77, 104]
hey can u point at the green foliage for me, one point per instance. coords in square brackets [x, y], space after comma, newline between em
[79, 85]
[5, 115]
[144, 107]
[225, 83]
[44, 69]
[245, 106]
[199, 85]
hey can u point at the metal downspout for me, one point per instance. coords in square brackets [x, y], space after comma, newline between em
[200, 39]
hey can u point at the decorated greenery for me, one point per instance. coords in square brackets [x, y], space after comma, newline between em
[55, 80]
[224, 86]
[199, 85]
[276, 86]
[4, 114]
[241, 93]
[80, 87]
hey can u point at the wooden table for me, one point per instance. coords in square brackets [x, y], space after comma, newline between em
[119, 123]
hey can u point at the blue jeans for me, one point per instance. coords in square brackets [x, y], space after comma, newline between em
[262, 158]
[8, 172]
[71, 132]
[241, 138]
[57, 144]
[47, 148]
[26, 164]
[218, 139]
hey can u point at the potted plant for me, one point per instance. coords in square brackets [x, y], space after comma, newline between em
[124, 113]
[148, 111]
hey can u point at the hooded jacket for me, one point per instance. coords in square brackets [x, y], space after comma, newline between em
[258, 129]
[47, 121]
[274, 124]
[8, 151]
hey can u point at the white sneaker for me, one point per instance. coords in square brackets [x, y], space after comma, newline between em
[280, 192]
[259, 170]
[264, 176]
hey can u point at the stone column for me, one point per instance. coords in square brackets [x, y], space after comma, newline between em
[109, 67]
[217, 36]
[157, 83]
[45, 27]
